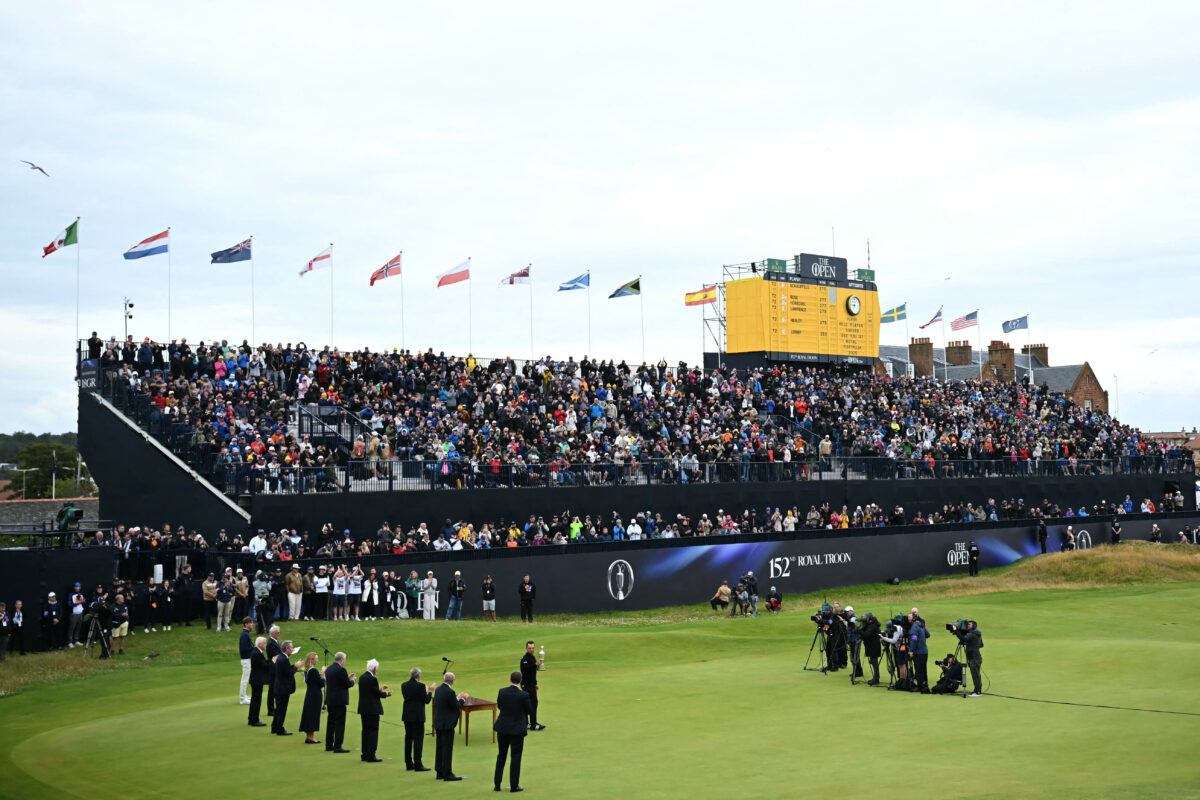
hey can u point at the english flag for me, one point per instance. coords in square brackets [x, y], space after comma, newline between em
[321, 260]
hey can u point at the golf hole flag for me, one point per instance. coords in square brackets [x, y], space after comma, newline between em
[701, 298]
[456, 275]
[155, 245]
[387, 270]
[321, 260]
[628, 289]
[895, 314]
[68, 236]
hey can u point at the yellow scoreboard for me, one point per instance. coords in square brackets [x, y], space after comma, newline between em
[790, 317]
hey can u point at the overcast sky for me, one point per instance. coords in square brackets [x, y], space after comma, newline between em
[1043, 157]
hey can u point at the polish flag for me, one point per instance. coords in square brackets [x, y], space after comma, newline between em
[460, 273]
[321, 260]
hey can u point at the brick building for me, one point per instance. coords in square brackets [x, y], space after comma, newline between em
[960, 361]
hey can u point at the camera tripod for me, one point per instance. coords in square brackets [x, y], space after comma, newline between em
[958, 659]
[96, 635]
[819, 638]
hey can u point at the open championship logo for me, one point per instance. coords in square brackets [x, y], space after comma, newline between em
[1083, 541]
[620, 579]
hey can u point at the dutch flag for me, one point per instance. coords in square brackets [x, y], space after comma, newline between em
[149, 247]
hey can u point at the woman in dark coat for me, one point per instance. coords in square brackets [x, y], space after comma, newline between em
[310, 715]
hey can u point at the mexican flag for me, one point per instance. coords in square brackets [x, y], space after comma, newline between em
[69, 236]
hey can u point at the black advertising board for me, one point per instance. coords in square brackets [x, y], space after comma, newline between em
[827, 267]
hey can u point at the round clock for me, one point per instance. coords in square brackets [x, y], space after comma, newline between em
[853, 305]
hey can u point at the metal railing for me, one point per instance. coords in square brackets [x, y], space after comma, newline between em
[394, 476]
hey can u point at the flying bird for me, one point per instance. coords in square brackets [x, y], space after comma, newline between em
[35, 166]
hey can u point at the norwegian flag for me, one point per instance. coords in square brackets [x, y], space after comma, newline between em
[387, 270]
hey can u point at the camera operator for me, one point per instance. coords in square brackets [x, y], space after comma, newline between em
[836, 643]
[917, 635]
[264, 608]
[972, 640]
[854, 639]
[872, 641]
[952, 676]
[751, 583]
[895, 638]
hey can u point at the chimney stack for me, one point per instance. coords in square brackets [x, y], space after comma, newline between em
[1002, 361]
[1038, 351]
[920, 353]
[959, 354]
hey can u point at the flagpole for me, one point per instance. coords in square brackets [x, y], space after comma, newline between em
[642, 308]
[470, 310]
[530, 276]
[1028, 350]
[907, 334]
[253, 331]
[331, 295]
[589, 314]
[402, 300]
[979, 337]
[77, 282]
[945, 353]
[168, 283]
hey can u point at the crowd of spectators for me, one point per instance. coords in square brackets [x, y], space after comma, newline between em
[550, 421]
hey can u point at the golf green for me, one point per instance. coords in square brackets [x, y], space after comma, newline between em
[674, 703]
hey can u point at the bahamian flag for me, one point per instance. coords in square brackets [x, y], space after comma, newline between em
[1018, 324]
[895, 314]
[582, 282]
[239, 252]
[628, 289]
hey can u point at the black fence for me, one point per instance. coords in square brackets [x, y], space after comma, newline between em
[398, 476]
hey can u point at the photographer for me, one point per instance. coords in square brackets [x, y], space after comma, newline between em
[264, 608]
[854, 639]
[774, 601]
[751, 583]
[952, 676]
[872, 641]
[917, 636]
[836, 643]
[894, 637]
[972, 640]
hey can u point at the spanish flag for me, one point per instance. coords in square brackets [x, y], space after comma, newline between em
[701, 298]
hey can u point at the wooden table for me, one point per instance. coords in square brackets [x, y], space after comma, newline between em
[470, 706]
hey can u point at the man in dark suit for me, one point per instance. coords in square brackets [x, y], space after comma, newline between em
[511, 727]
[260, 675]
[446, 708]
[527, 592]
[337, 699]
[273, 650]
[416, 696]
[370, 709]
[285, 687]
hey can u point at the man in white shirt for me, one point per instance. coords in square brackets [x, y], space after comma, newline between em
[634, 531]
[440, 544]
[258, 542]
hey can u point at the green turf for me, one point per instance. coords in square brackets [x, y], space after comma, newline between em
[662, 704]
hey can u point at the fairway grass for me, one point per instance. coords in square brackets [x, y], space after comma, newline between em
[672, 703]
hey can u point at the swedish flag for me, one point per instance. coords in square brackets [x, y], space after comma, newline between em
[895, 314]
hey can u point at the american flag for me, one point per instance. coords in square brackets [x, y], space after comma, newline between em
[970, 320]
[387, 270]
